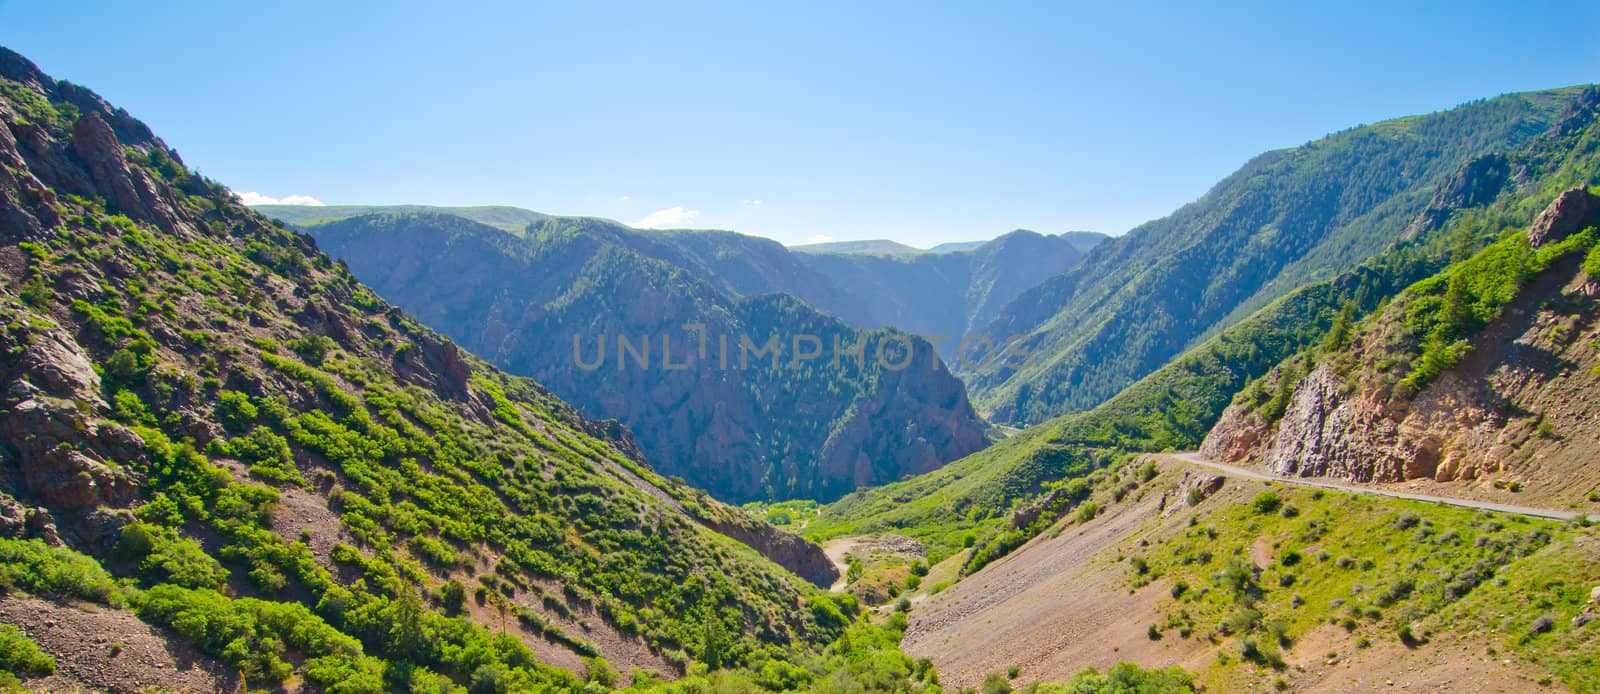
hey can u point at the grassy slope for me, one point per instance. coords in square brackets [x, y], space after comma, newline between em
[1381, 569]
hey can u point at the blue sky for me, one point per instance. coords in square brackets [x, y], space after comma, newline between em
[923, 122]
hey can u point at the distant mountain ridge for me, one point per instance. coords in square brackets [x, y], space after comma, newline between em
[556, 302]
[944, 294]
[1081, 240]
[506, 218]
[948, 295]
[869, 247]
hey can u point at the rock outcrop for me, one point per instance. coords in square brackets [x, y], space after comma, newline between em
[1234, 436]
[800, 556]
[1517, 407]
[1475, 184]
[1571, 212]
[56, 450]
[1192, 488]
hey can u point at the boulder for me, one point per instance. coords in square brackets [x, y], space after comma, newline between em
[1571, 212]
[68, 479]
[129, 190]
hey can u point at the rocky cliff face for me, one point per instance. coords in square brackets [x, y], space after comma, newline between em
[1517, 408]
[1572, 211]
[56, 448]
[790, 551]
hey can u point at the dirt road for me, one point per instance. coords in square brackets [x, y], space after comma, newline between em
[1192, 458]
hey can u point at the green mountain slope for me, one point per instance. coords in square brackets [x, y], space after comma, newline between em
[558, 303]
[301, 481]
[1287, 218]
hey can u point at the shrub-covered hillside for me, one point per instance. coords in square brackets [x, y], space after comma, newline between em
[208, 422]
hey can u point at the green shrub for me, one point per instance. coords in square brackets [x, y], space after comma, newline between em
[1399, 590]
[35, 293]
[235, 410]
[255, 635]
[1127, 677]
[40, 569]
[600, 672]
[267, 454]
[1239, 622]
[128, 408]
[1088, 511]
[312, 349]
[995, 683]
[164, 557]
[21, 655]
[1266, 502]
[1147, 472]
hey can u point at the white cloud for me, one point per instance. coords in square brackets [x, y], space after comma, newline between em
[820, 238]
[253, 199]
[672, 217]
[753, 202]
[624, 198]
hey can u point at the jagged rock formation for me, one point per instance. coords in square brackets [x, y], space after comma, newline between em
[1572, 211]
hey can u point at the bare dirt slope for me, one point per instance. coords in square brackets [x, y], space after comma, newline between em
[1398, 490]
[1051, 608]
[102, 649]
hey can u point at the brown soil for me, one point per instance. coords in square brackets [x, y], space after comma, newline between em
[299, 511]
[1051, 608]
[82, 637]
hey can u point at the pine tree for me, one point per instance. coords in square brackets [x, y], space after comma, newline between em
[1456, 317]
[1339, 333]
